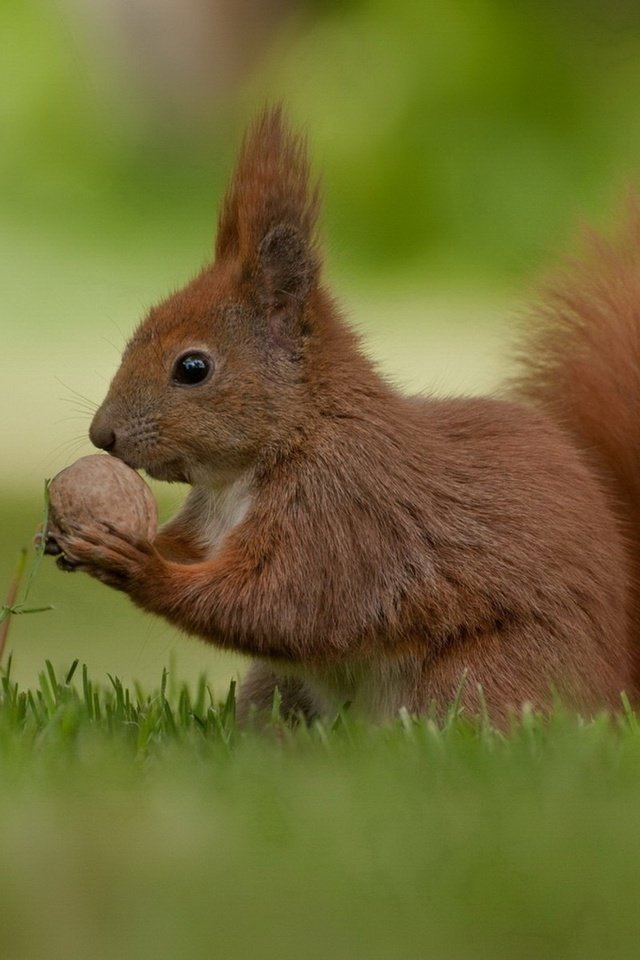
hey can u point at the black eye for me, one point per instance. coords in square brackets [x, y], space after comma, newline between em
[191, 369]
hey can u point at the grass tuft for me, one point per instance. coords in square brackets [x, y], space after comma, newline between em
[147, 824]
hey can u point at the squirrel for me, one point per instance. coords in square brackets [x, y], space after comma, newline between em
[362, 545]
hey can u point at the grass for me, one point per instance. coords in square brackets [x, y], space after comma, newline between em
[138, 824]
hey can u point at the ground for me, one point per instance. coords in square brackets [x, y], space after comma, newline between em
[136, 825]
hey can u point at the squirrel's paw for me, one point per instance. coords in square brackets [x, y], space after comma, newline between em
[47, 543]
[112, 556]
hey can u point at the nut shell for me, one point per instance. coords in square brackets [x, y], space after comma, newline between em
[99, 488]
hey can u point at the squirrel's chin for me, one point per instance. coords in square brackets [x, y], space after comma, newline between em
[171, 471]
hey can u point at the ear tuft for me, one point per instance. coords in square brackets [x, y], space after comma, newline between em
[269, 214]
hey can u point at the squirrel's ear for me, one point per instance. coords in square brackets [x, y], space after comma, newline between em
[283, 276]
[288, 266]
[268, 217]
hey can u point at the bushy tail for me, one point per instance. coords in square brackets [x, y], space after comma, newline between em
[581, 363]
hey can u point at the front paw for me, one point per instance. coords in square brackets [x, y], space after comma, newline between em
[112, 556]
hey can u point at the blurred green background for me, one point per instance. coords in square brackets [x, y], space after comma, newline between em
[460, 143]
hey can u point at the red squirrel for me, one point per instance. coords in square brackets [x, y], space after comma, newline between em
[359, 544]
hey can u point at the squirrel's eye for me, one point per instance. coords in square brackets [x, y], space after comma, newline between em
[191, 369]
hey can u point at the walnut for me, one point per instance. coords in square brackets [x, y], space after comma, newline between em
[100, 488]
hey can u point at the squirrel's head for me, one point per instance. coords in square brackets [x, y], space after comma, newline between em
[216, 373]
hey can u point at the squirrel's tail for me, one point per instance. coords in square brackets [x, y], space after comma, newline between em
[581, 364]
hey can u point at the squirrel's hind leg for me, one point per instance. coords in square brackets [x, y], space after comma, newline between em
[256, 697]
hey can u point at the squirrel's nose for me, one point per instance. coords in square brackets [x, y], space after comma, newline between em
[101, 433]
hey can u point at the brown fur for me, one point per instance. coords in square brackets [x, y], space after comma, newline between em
[360, 544]
[581, 365]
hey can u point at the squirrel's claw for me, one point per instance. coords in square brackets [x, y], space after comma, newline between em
[51, 546]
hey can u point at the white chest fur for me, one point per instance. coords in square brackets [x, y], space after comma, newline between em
[221, 508]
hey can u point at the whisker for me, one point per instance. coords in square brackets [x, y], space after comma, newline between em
[82, 417]
[79, 396]
[68, 446]
[69, 451]
[80, 404]
[120, 331]
[118, 350]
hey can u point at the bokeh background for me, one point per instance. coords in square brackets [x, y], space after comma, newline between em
[460, 144]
